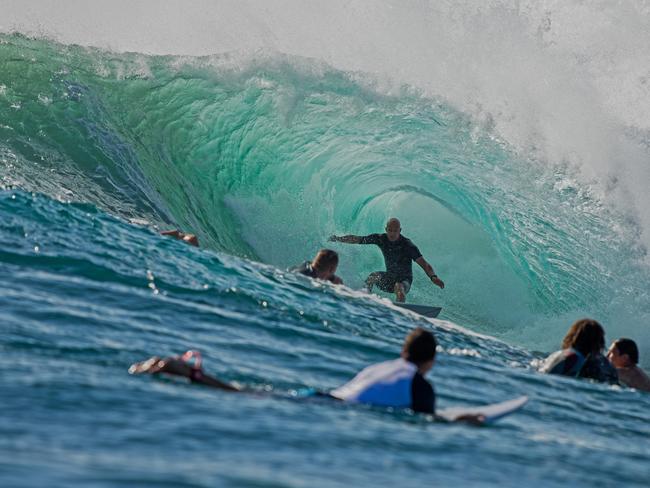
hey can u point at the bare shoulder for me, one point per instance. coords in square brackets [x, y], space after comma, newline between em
[634, 377]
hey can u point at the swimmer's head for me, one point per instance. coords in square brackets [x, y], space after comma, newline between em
[420, 349]
[325, 263]
[623, 353]
[393, 229]
[586, 336]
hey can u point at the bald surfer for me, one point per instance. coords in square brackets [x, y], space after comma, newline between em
[398, 253]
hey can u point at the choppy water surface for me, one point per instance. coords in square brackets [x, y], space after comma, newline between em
[264, 155]
[84, 295]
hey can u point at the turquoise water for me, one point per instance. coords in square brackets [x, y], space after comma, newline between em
[264, 157]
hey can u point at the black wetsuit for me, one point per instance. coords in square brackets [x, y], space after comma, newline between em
[398, 256]
[422, 394]
[570, 362]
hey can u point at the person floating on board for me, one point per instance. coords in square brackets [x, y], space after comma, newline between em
[397, 383]
[581, 354]
[624, 356]
[322, 267]
[182, 236]
[398, 253]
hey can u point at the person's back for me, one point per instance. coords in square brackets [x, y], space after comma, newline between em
[566, 362]
[398, 255]
[581, 354]
[398, 383]
[598, 368]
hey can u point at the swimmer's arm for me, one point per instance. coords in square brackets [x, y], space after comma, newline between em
[468, 419]
[182, 236]
[349, 239]
[177, 367]
[428, 269]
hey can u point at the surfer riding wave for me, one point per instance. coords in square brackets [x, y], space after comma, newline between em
[398, 253]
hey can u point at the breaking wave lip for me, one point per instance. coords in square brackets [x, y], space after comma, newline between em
[267, 157]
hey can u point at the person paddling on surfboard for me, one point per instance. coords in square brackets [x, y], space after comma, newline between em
[398, 253]
[396, 383]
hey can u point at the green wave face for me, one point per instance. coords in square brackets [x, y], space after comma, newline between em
[265, 156]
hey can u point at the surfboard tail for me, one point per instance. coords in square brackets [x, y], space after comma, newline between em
[492, 412]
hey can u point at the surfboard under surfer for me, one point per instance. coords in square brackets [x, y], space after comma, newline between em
[399, 252]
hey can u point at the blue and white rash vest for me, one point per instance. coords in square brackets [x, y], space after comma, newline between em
[395, 383]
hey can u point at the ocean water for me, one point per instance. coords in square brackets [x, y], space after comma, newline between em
[512, 140]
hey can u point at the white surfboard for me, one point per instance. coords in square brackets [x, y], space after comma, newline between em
[431, 312]
[491, 412]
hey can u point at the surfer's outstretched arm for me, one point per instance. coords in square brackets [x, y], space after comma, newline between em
[428, 269]
[177, 366]
[349, 239]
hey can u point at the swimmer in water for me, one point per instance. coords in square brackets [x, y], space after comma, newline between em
[398, 253]
[397, 383]
[581, 354]
[624, 356]
[322, 267]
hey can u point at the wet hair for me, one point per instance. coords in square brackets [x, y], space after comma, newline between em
[325, 259]
[628, 346]
[586, 336]
[419, 346]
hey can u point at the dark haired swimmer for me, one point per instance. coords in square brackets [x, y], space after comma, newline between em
[397, 383]
[624, 356]
[322, 267]
[398, 253]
